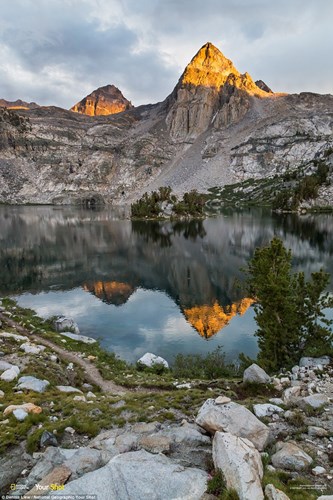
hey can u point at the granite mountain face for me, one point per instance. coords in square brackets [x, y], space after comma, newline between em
[217, 127]
[106, 100]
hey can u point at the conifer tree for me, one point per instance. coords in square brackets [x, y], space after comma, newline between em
[289, 310]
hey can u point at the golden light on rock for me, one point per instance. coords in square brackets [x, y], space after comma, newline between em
[112, 292]
[208, 320]
[210, 68]
[107, 100]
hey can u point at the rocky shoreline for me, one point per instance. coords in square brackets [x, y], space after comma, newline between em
[142, 435]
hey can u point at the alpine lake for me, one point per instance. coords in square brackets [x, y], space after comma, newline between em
[150, 286]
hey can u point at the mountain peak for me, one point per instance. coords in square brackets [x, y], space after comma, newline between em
[107, 100]
[208, 68]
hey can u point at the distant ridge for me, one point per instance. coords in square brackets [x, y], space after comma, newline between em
[18, 104]
[107, 100]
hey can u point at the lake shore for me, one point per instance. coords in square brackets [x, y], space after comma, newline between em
[142, 412]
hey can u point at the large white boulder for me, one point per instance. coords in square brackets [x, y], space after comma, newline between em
[289, 456]
[139, 475]
[255, 374]
[240, 464]
[233, 418]
[151, 360]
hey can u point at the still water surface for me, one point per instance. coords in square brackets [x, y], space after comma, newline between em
[149, 286]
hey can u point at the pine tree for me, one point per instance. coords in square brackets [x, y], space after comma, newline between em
[289, 310]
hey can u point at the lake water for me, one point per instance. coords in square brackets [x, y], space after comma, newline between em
[162, 287]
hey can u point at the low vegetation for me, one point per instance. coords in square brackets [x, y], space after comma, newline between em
[286, 191]
[303, 189]
[197, 366]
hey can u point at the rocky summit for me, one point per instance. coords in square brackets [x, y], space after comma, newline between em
[217, 127]
[106, 100]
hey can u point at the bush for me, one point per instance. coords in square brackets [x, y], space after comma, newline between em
[149, 205]
[211, 366]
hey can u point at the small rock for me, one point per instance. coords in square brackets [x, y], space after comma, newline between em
[289, 456]
[150, 360]
[63, 324]
[30, 348]
[5, 366]
[20, 414]
[87, 387]
[79, 398]
[183, 386]
[222, 400]
[273, 493]
[79, 338]
[68, 388]
[276, 401]
[90, 395]
[315, 401]
[285, 381]
[70, 366]
[255, 374]
[70, 430]
[95, 412]
[314, 431]
[266, 410]
[48, 439]
[291, 393]
[27, 407]
[32, 384]
[318, 471]
[2, 394]
[13, 336]
[270, 468]
[54, 358]
[155, 443]
[11, 374]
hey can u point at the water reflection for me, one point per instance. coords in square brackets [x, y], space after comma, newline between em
[166, 285]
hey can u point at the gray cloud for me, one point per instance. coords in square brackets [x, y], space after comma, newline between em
[56, 52]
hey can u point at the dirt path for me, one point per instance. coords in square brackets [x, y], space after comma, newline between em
[91, 372]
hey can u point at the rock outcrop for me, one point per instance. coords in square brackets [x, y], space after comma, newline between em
[139, 475]
[235, 419]
[106, 100]
[240, 463]
[211, 90]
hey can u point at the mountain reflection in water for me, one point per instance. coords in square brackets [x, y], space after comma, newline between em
[149, 285]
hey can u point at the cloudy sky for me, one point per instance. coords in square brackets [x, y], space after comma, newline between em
[58, 51]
